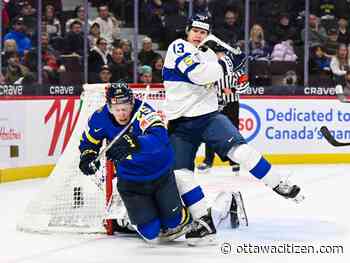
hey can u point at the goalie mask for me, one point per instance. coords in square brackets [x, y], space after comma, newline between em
[119, 93]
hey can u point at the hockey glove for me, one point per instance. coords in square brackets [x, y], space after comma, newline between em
[124, 146]
[86, 159]
[231, 62]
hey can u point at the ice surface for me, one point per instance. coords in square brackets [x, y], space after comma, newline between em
[322, 219]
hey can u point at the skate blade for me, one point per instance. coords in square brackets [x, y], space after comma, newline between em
[175, 235]
[299, 198]
[241, 212]
[209, 240]
[205, 171]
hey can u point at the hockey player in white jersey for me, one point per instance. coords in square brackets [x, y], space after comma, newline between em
[191, 106]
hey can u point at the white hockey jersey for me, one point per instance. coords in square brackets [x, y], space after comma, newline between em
[189, 75]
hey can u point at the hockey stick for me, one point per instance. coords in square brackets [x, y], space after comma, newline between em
[339, 92]
[327, 134]
[94, 178]
[212, 37]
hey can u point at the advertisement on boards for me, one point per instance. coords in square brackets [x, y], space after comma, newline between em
[293, 126]
[12, 130]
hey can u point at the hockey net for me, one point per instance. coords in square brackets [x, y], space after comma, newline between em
[69, 201]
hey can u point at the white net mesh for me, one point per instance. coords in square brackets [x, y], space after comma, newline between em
[69, 201]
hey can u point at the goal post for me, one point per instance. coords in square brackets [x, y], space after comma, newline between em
[70, 201]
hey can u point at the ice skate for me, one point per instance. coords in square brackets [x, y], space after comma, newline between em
[235, 169]
[289, 191]
[203, 231]
[203, 168]
[173, 233]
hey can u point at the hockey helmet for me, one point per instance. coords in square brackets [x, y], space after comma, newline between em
[119, 93]
[199, 21]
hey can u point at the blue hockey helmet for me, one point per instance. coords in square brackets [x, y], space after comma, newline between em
[199, 21]
[119, 93]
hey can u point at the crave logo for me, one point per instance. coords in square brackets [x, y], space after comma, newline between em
[249, 122]
[61, 117]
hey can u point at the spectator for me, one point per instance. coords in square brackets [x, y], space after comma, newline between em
[145, 74]
[320, 63]
[155, 20]
[340, 63]
[174, 21]
[331, 43]
[217, 9]
[270, 11]
[15, 70]
[230, 31]
[109, 25]
[125, 44]
[9, 47]
[79, 15]
[119, 67]
[346, 83]
[104, 75]
[258, 48]
[75, 39]
[317, 33]
[283, 30]
[30, 60]
[147, 54]
[94, 34]
[2, 79]
[98, 56]
[157, 66]
[326, 9]
[284, 51]
[18, 34]
[178, 7]
[57, 4]
[29, 17]
[343, 8]
[49, 55]
[200, 7]
[343, 31]
[53, 25]
[5, 18]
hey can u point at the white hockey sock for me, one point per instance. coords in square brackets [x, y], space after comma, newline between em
[191, 193]
[255, 163]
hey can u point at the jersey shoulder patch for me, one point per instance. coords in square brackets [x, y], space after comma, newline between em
[150, 119]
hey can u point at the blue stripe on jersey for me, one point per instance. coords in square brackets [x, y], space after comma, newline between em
[190, 68]
[171, 75]
[179, 59]
[193, 196]
[261, 168]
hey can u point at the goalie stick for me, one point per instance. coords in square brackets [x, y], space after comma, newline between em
[339, 92]
[327, 134]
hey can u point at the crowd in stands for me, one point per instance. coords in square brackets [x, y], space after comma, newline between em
[276, 39]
